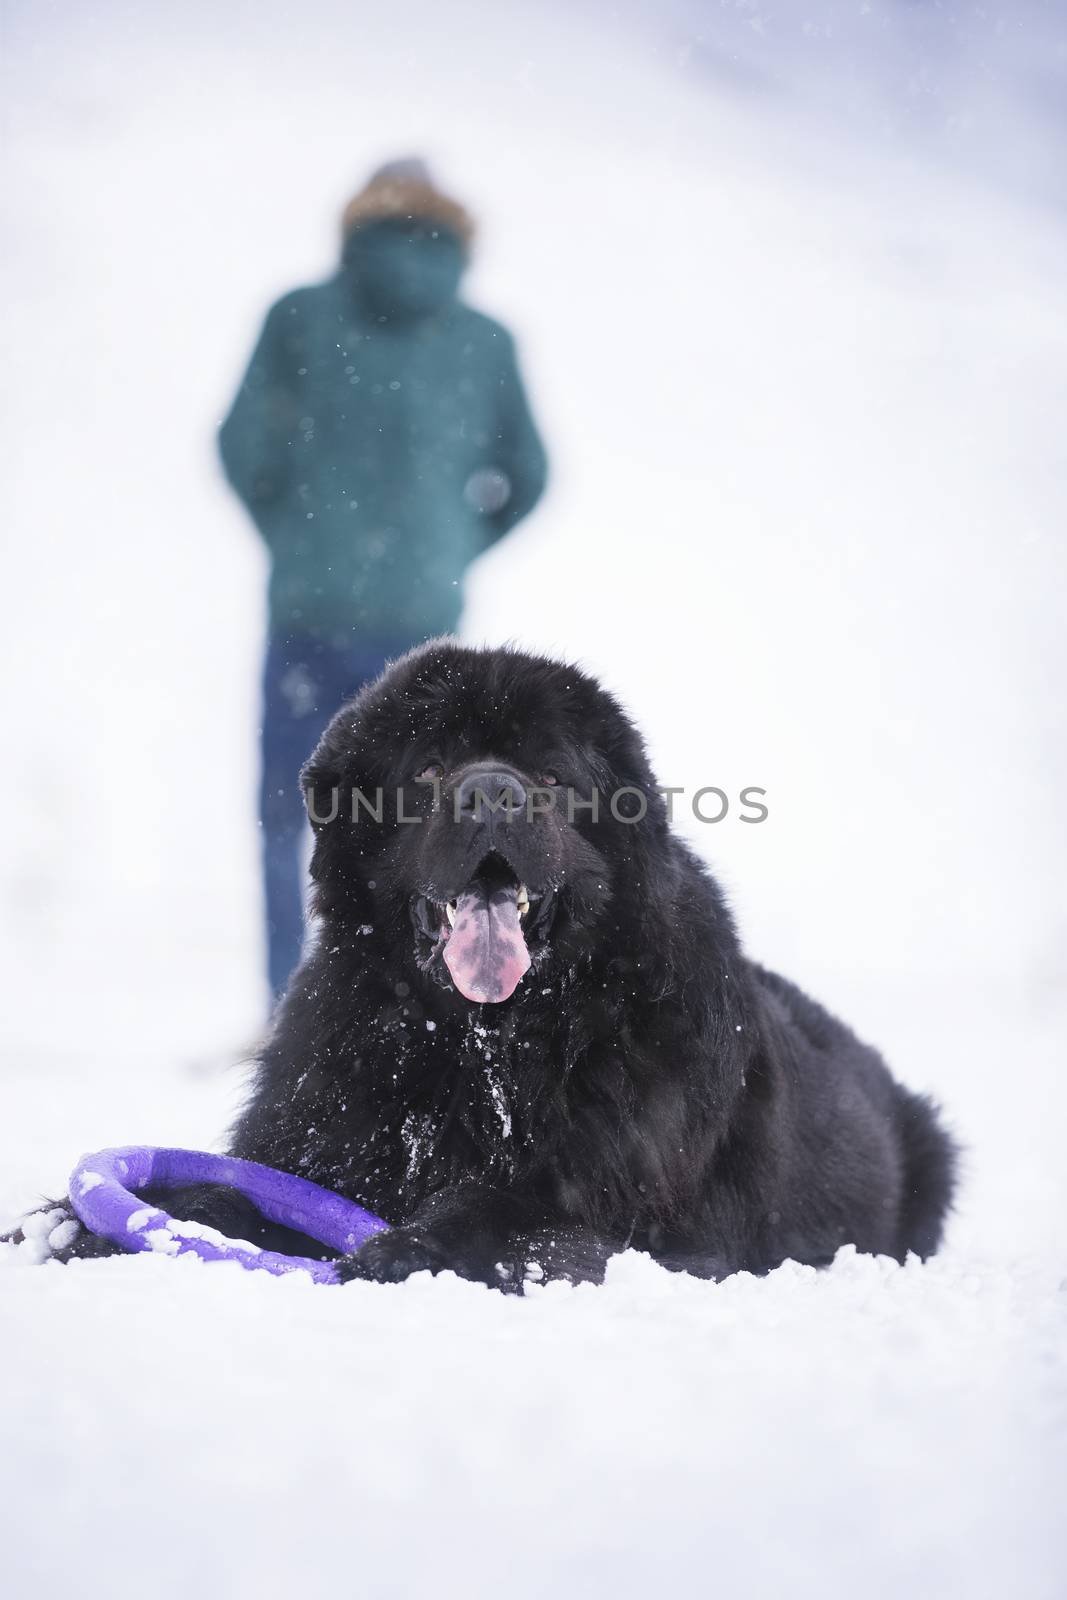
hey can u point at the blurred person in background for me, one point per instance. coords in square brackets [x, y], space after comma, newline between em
[380, 440]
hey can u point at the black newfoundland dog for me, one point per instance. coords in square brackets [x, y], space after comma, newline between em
[526, 1033]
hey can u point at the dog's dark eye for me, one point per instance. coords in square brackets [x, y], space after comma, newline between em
[433, 770]
[549, 779]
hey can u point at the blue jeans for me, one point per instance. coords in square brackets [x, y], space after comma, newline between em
[304, 682]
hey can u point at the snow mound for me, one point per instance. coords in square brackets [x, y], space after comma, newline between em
[853, 1431]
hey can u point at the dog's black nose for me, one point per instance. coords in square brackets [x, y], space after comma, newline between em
[487, 790]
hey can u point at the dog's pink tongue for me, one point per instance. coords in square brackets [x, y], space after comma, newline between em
[486, 952]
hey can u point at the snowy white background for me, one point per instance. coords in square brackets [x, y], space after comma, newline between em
[789, 286]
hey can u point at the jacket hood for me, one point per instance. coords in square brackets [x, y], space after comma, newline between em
[406, 190]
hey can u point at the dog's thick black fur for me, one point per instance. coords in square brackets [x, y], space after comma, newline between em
[643, 1083]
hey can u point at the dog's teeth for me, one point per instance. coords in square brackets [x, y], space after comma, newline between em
[522, 900]
[450, 913]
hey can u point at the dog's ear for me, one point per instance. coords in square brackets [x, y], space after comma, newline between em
[323, 780]
[327, 780]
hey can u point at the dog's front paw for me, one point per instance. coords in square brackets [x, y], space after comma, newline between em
[54, 1234]
[391, 1257]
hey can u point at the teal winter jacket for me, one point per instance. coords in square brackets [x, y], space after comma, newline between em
[381, 440]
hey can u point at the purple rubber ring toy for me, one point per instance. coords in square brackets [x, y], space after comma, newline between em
[104, 1187]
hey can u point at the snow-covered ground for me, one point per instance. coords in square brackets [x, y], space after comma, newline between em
[804, 394]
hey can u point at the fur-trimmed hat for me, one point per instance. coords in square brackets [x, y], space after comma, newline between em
[406, 189]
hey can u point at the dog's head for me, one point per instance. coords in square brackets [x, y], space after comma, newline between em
[484, 810]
